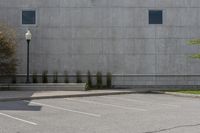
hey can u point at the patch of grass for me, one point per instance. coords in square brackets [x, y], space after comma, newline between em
[189, 91]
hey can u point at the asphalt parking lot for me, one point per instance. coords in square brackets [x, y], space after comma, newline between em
[132, 113]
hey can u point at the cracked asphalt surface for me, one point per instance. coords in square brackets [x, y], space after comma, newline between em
[131, 113]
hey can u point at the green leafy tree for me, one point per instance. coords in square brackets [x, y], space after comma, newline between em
[194, 42]
[8, 60]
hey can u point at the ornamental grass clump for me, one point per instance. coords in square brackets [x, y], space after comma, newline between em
[99, 82]
[14, 79]
[55, 77]
[89, 80]
[44, 77]
[78, 77]
[109, 80]
[34, 77]
[66, 80]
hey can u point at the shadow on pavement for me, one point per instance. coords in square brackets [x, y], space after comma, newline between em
[17, 105]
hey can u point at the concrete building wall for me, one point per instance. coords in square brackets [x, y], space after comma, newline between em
[110, 35]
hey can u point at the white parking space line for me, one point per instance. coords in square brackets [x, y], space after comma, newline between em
[106, 104]
[12, 117]
[60, 108]
[141, 101]
[172, 98]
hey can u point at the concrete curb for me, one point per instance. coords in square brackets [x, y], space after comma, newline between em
[67, 96]
[45, 86]
[177, 94]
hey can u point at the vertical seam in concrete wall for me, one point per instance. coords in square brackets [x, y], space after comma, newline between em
[155, 44]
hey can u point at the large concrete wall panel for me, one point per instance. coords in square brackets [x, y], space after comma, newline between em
[110, 35]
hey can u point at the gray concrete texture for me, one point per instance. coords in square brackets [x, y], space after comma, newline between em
[108, 35]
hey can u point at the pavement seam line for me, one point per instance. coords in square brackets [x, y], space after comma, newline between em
[106, 104]
[60, 108]
[25, 121]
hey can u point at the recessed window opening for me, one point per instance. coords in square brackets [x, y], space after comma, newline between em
[28, 17]
[155, 17]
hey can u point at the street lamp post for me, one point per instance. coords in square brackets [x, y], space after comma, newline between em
[28, 37]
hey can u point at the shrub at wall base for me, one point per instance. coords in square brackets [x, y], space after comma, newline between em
[8, 61]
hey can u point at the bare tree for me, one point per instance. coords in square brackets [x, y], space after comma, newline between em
[8, 60]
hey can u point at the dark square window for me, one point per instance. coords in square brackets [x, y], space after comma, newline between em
[155, 17]
[28, 17]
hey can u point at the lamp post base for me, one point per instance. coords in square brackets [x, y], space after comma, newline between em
[27, 82]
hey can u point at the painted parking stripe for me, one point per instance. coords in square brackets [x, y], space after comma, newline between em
[136, 100]
[179, 99]
[22, 120]
[60, 108]
[106, 104]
